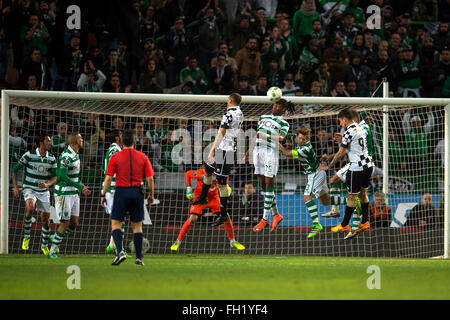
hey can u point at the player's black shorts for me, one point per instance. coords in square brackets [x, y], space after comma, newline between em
[357, 180]
[128, 199]
[224, 161]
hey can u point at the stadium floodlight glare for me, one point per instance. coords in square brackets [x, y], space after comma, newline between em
[403, 184]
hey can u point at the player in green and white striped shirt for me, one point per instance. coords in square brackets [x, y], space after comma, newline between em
[39, 174]
[115, 137]
[317, 180]
[272, 128]
[68, 186]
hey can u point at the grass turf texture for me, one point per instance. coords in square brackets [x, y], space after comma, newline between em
[218, 277]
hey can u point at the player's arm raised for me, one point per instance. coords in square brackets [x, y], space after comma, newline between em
[338, 156]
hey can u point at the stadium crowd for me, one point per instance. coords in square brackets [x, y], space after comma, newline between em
[305, 47]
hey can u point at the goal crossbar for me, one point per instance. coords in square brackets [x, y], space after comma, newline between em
[20, 97]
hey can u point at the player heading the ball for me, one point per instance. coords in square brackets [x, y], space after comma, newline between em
[271, 130]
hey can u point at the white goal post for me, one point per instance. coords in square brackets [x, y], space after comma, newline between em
[8, 95]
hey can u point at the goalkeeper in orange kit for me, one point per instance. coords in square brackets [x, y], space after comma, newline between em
[196, 210]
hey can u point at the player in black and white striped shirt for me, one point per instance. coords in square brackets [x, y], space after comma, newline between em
[221, 162]
[354, 143]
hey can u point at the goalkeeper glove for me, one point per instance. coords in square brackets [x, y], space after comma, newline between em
[189, 193]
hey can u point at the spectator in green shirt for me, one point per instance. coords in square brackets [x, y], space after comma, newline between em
[195, 74]
[303, 20]
[417, 140]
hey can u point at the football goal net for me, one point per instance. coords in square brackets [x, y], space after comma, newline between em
[408, 193]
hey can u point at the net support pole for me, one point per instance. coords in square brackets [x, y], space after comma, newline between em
[447, 182]
[4, 173]
[385, 140]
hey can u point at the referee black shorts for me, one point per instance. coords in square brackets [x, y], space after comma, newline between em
[224, 161]
[128, 199]
[357, 180]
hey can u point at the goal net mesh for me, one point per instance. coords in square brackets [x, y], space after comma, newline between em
[405, 222]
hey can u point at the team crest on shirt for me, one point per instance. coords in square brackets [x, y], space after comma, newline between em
[65, 162]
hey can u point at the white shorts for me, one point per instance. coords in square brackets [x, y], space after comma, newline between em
[67, 206]
[41, 199]
[109, 196]
[265, 162]
[317, 184]
[342, 173]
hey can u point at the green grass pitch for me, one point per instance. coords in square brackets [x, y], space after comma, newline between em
[223, 277]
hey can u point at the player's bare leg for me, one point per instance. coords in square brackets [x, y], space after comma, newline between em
[224, 195]
[29, 210]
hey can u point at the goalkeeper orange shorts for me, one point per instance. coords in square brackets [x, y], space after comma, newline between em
[213, 205]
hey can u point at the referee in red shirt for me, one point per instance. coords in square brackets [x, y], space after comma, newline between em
[130, 166]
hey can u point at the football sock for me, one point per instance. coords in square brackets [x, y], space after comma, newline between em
[45, 234]
[27, 227]
[223, 205]
[229, 229]
[137, 239]
[335, 194]
[69, 230]
[274, 207]
[312, 209]
[205, 189]
[348, 214]
[117, 235]
[356, 220]
[269, 197]
[364, 212]
[112, 245]
[184, 230]
[57, 239]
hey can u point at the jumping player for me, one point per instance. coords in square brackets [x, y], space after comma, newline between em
[196, 210]
[271, 130]
[222, 156]
[354, 142]
[317, 180]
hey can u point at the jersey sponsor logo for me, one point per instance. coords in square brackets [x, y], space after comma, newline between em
[40, 169]
[268, 124]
